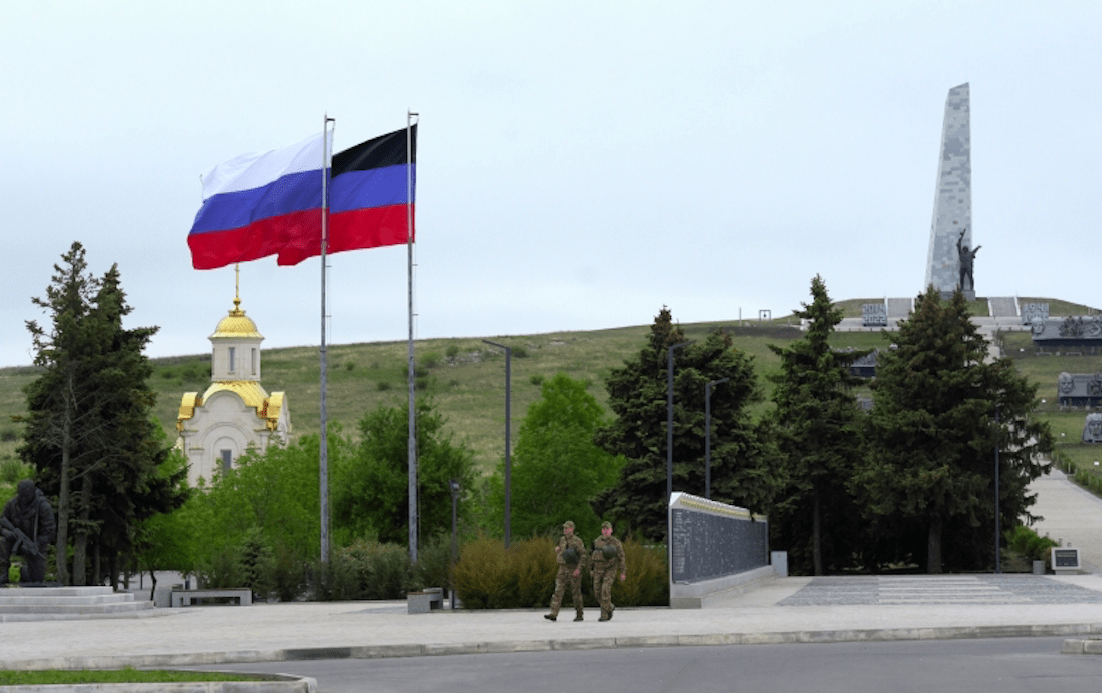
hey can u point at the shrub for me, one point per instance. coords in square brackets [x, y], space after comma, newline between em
[480, 575]
[452, 351]
[350, 366]
[1025, 541]
[490, 577]
[418, 372]
[257, 564]
[520, 352]
[221, 569]
[531, 571]
[368, 570]
[433, 559]
[382, 386]
[13, 470]
[647, 582]
[430, 359]
[536, 379]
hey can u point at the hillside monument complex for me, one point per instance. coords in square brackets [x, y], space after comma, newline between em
[949, 264]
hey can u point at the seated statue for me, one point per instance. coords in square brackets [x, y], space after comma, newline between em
[27, 529]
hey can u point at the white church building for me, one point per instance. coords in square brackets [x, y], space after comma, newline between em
[235, 414]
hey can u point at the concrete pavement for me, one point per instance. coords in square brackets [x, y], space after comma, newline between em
[793, 609]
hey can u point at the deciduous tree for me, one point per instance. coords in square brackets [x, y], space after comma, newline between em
[371, 492]
[556, 467]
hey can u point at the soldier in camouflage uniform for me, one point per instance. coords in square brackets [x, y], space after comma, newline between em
[571, 556]
[608, 559]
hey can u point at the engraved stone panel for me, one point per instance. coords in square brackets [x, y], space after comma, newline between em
[874, 315]
[1034, 311]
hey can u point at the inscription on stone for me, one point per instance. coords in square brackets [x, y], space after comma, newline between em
[1065, 558]
[874, 315]
[1034, 311]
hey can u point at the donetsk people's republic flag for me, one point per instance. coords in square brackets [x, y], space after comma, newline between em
[270, 204]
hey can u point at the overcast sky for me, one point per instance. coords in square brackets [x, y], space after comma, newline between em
[580, 164]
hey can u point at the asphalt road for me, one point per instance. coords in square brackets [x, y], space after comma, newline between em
[1009, 665]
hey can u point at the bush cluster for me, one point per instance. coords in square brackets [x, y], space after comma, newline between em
[1026, 542]
[373, 570]
[1086, 478]
[489, 576]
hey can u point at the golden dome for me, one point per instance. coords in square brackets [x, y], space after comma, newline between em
[236, 325]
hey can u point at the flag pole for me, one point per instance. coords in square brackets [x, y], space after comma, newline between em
[411, 369]
[323, 443]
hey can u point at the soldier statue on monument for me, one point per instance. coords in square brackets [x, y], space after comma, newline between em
[27, 529]
[966, 257]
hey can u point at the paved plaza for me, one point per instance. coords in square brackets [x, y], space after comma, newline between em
[782, 610]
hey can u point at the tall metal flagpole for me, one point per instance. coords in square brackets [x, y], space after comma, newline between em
[412, 452]
[323, 446]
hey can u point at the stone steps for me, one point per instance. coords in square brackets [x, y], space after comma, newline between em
[57, 602]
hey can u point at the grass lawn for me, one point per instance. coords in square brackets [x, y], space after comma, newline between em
[47, 677]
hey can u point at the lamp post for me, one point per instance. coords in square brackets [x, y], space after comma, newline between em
[998, 561]
[669, 417]
[708, 436]
[454, 486]
[508, 462]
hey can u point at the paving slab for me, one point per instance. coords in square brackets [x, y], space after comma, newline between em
[791, 609]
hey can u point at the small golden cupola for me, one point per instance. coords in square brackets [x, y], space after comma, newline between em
[236, 414]
[235, 353]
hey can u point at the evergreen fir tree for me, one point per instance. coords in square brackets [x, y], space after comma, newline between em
[932, 460]
[741, 474]
[90, 429]
[819, 427]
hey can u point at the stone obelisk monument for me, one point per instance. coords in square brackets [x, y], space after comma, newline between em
[949, 263]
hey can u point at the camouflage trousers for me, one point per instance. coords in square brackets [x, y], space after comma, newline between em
[603, 577]
[562, 578]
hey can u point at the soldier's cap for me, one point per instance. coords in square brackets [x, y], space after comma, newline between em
[568, 523]
[606, 525]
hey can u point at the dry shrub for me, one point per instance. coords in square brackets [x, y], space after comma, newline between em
[647, 583]
[480, 575]
[489, 577]
[530, 568]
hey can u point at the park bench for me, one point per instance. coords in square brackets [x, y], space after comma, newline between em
[430, 599]
[243, 595]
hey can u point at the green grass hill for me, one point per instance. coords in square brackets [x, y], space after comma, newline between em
[466, 378]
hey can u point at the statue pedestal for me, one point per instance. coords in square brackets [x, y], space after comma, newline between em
[968, 295]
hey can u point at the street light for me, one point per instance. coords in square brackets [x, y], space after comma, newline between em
[508, 462]
[669, 417]
[454, 486]
[998, 561]
[708, 436]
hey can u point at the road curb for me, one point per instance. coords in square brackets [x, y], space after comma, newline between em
[284, 684]
[1088, 646]
[507, 646]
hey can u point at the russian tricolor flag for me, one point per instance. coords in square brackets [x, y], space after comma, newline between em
[270, 204]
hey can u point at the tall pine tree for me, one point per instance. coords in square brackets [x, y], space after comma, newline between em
[941, 408]
[820, 436]
[90, 430]
[741, 473]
